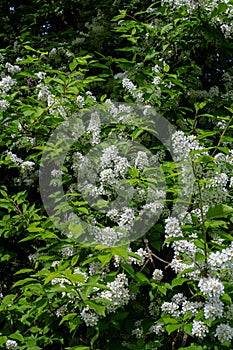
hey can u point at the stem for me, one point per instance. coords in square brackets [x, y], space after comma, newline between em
[204, 228]
[221, 136]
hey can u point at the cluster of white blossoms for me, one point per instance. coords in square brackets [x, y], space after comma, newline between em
[172, 228]
[222, 262]
[108, 171]
[157, 328]
[11, 344]
[142, 255]
[61, 311]
[4, 104]
[118, 293]
[12, 68]
[215, 189]
[224, 332]
[199, 329]
[213, 308]
[182, 145]
[138, 331]
[67, 251]
[179, 306]
[157, 275]
[89, 316]
[211, 287]
[106, 236]
[6, 84]
[208, 5]
[94, 128]
[129, 86]
[18, 161]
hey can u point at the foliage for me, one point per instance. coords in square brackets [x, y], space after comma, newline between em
[116, 71]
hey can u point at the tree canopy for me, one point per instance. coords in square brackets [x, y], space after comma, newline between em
[116, 174]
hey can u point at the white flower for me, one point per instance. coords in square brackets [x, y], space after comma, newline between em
[4, 104]
[12, 69]
[211, 287]
[61, 311]
[157, 275]
[171, 308]
[6, 83]
[80, 101]
[118, 294]
[41, 75]
[199, 329]
[27, 164]
[137, 332]
[67, 251]
[94, 128]
[182, 145]
[11, 344]
[89, 316]
[172, 228]
[213, 309]
[141, 160]
[128, 85]
[224, 333]
[157, 328]
[14, 158]
[156, 80]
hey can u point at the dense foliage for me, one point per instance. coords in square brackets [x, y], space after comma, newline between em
[116, 174]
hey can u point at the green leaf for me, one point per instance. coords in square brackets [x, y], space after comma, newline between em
[173, 327]
[68, 317]
[188, 328]
[25, 281]
[142, 278]
[128, 268]
[83, 210]
[73, 65]
[178, 281]
[120, 16]
[17, 336]
[23, 271]
[76, 230]
[199, 257]
[120, 251]
[99, 308]
[226, 298]
[219, 211]
[94, 338]
[105, 258]
[167, 320]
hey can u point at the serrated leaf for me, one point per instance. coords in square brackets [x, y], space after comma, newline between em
[23, 271]
[178, 281]
[99, 308]
[173, 327]
[219, 211]
[142, 278]
[68, 317]
[73, 65]
[105, 258]
[120, 251]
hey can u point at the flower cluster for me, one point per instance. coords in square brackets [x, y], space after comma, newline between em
[199, 329]
[224, 333]
[6, 84]
[11, 344]
[118, 293]
[179, 306]
[211, 287]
